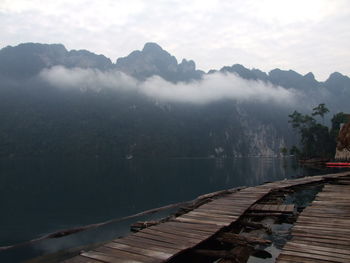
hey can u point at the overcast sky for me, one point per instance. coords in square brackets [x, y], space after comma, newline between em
[303, 35]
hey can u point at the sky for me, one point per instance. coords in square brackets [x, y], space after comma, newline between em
[302, 35]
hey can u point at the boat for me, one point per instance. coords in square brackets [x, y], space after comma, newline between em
[338, 164]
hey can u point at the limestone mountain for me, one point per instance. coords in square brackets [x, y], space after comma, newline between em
[153, 60]
[27, 60]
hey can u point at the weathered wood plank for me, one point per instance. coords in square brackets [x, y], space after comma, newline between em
[81, 259]
[181, 231]
[172, 236]
[196, 221]
[321, 248]
[320, 236]
[297, 259]
[223, 220]
[120, 254]
[211, 215]
[205, 228]
[326, 240]
[308, 254]
[143, 244]
[107, 258]
[147, 241]
[321, 242]
[273, 208]
[151, 252]
[162, 242]
[161, 238]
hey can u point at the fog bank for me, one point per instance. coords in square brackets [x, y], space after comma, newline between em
[211, 88]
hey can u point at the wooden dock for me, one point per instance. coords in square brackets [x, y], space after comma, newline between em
[322, 231]
[162, 242]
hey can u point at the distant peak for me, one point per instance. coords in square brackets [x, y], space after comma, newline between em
[187, 65]
[151, 47]
[336, 75]
[309, 75]
[41, 45]
[238, 66]
[188, 62]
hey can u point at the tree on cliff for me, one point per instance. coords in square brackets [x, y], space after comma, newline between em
[321, 110]
[316, 140]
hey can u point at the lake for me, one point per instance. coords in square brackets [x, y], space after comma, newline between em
[39, 196]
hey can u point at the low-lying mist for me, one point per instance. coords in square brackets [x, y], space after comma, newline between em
[211, 88]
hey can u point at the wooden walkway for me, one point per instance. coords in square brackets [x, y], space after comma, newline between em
[322, 231]
[162, 242]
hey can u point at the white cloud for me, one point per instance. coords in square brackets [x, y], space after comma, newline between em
[211, 88]
[87, 78]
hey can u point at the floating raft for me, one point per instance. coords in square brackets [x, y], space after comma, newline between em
[322, 232]
[337, 164]
[164, 241]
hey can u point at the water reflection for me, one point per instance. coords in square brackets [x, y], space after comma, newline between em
[39, 196]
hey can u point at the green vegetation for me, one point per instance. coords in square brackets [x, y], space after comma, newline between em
[316, 139]
[284, 151]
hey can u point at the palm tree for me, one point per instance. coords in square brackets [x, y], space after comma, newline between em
[321, 110]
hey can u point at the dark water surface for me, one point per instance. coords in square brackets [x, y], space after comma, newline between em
[39, 196]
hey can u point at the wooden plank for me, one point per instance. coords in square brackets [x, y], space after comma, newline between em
[197, 227]
[304, 218]
[81, 259]
[196, 221]
[327, 239]
[211, 215]
[225, 207]
[344, 252]
[273, 208]
[207, 218]
[323, 225]
[107, 258]
[147, 241]
[122, 255]
[256, 207]
[150, 252]
[306, 254]
[322, 228]
[207, 209]
[318, 253]
[164, 239]
[138, 244]
[282, 258]
[172, 236]
[180, 231]
[325, 216]
[320, 236]
[321, 232]
[322, 242]
[289, 208]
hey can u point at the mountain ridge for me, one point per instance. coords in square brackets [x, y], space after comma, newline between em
[39, 119]
[141, 64]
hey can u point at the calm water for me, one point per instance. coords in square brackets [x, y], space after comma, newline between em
[41, 196]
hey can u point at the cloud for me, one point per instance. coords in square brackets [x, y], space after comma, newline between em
[212, 88]
[84, 79]
[263, 34]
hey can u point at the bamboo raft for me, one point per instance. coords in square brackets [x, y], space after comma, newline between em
[322, 232]
[164, 241]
